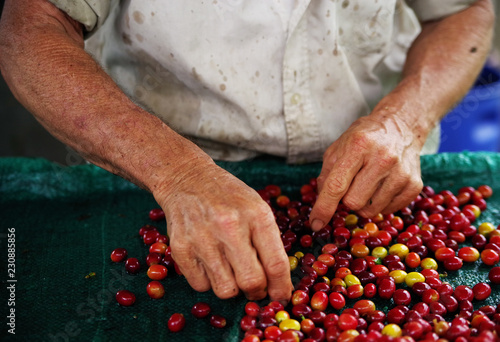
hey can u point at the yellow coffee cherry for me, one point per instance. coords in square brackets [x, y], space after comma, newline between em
[281, 316]
[392, 330]
[441, 327]
[351, 220]
[475, 209]
[400, 250]
[429, 263]
[485, 228]
[294, 262]
[299, 255]
[414, 277]
[288, 324]
[351, 279]
[326, 280]
[398, 275]
[379, 252]
[337, 281]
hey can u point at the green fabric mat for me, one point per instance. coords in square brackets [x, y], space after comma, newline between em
[67, 221]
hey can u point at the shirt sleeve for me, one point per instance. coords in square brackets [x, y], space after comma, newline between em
[434, 10]
[91, 13]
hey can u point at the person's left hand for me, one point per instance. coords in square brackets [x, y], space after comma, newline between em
[374, 167]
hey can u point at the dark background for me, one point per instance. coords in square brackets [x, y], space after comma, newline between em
[22, 135]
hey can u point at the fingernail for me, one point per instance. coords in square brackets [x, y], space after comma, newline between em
[317, 225]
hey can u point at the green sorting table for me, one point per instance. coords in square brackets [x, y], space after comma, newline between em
[67, 221]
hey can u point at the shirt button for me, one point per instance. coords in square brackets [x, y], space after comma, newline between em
[295, 99]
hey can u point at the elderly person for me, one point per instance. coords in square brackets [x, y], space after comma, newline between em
[155, 90]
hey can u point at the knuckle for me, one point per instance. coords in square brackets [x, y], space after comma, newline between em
[360, 140]
[321, 179]
[353, 202]
[263, 211]
[179, 248]
[333, 186]
[278, 268]
[266, 221]
[227, 219]
[388, 160]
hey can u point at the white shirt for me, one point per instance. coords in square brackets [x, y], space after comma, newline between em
[243, 77]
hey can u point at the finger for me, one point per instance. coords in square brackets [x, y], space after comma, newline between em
[405, 197]
[326, 168]
[373, 179]
[334, 188]
[190, 267]
[267, 241]
[392, 187]
[218, 271]
[365, 184]
[248, 271]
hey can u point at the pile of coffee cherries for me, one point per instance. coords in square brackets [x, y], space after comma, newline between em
[399, 261]
[341, 273]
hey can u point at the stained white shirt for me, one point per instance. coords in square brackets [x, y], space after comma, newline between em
[242, 77]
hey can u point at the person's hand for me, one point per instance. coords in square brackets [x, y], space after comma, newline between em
[224, 236]
[374, 167]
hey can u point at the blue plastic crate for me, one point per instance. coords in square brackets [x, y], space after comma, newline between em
[474, 124]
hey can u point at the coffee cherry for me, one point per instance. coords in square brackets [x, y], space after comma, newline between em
[248, 322]
[485, 190]
[251, 338]
[453, 263]
[153, 259]
[176, 322]
[201, 310]
[401, 297]
[319, 301]
[157, 272]
[156, 214]
[125, 298]
[132, 265]
[272, 333]
[490, 257]
[155, 290]
[337, 300]
[146, 228]
[289, 336]
[158, 247]
[150, 237]
[468, 254]
[481, 291]
[494, 275]
[217, 321]
[118, 255]
[347, 322]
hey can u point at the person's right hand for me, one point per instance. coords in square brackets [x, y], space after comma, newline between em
[224, 236]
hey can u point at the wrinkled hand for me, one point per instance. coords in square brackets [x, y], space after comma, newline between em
[224, 236]
[374, 167]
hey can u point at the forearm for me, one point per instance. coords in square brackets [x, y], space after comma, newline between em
[441, 66]
[43, 61]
